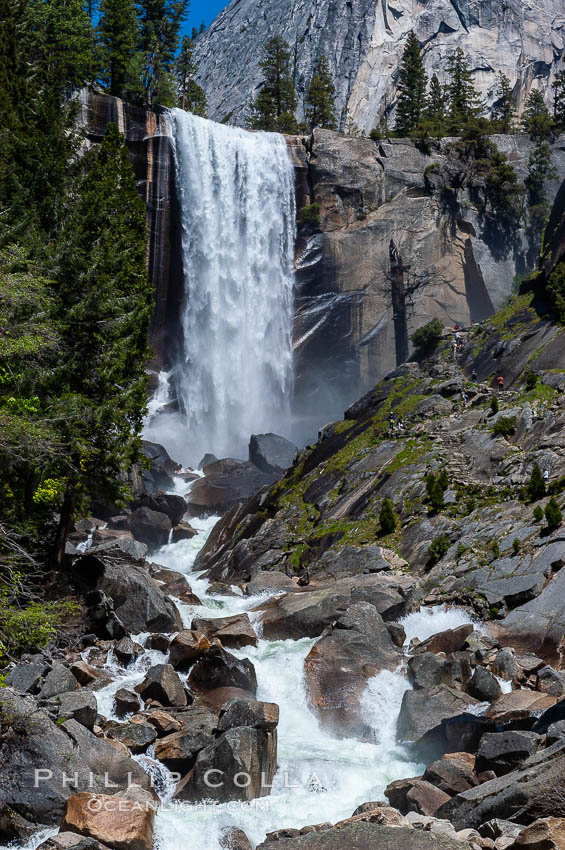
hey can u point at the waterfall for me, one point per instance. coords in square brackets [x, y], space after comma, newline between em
[236, 194]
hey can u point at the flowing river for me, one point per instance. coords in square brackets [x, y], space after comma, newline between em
[320, 777]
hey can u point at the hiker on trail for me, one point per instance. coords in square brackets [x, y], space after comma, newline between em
[500, 381]
[474, 375]
[457, 327]
[453, 347]
[391, 421]
[458, 337]
[464, 397]
[546, 475]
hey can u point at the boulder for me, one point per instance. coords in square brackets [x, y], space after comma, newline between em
[269, 581]
[160, 474]
[226, 483]
[163, 722]
[59, 680]
[217, 668]
[80, 706]
[158, 642]
[271, 453]
[32, 742]
[232, 838]
[26, 678]
[518, 705]
[484, 685]
[165, 503]
[127, 651]
[367, 836]
[240, 712]
[451, 640]
[183, 531]
[117, 821]
[526, 792]
[452, 774]
[138, 600]
[415, 795]
[421, 715]
[549, 681]
[427, 670]
[397, 634]
[240, 765]
[503, 752]
[136, 736]
[543, 834]
[186, 648]
[71, 841]
[233, 632]
[150, 527]
[178, 750]
[339, 665]
[126, 701]
[161, 683]
[84, 673]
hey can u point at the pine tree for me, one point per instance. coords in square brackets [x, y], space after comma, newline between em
[320, 97]
[105, 299]
[65, 39]
[463, 98]
[387, 519]
[202, 26]
[191, 96]
[536, 485]
[553, 515]
[275, 105]
[194, 33]
[559, 99]
[536, 118]
[435, 109]
[412, 83]
[503, 191]
[118, 35]
[504, 110]
[160, 22]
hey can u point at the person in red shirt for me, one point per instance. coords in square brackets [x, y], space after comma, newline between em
[500, 380]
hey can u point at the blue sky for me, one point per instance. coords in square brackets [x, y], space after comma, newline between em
[203, 9]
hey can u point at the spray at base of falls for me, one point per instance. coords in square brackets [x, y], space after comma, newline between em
[233, 378]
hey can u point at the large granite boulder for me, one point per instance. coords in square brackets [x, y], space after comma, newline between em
[271, 453]
[226, 483]
[360, 835]
[139, 603]
[240, 765]
[340, 664]
[36, 755]
[123, 822]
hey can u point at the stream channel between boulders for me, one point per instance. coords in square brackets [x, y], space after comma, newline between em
[320, 777]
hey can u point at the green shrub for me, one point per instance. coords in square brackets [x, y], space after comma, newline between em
[538, 513]
[387, 519]
[310, 214]
[438, 548]
[375, 135]
[505, 426]
[470, 504]
[443, 479]
[553, 515]
[461, 549]
[494, 404]
[556, 487]
[531, 381]
[426, 338]
[30, 627]
[535, 488]
[516, 546]
[495, 548]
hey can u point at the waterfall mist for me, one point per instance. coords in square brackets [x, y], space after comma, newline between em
[233, 377]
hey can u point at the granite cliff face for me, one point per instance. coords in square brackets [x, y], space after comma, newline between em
[363, 40]
[369, 194]
[148, 135]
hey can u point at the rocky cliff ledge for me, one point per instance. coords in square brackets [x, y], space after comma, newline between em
[363, 41]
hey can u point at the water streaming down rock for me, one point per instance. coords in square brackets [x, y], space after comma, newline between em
[236, 193]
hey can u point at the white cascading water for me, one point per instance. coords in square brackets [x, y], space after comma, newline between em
[234, 375]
